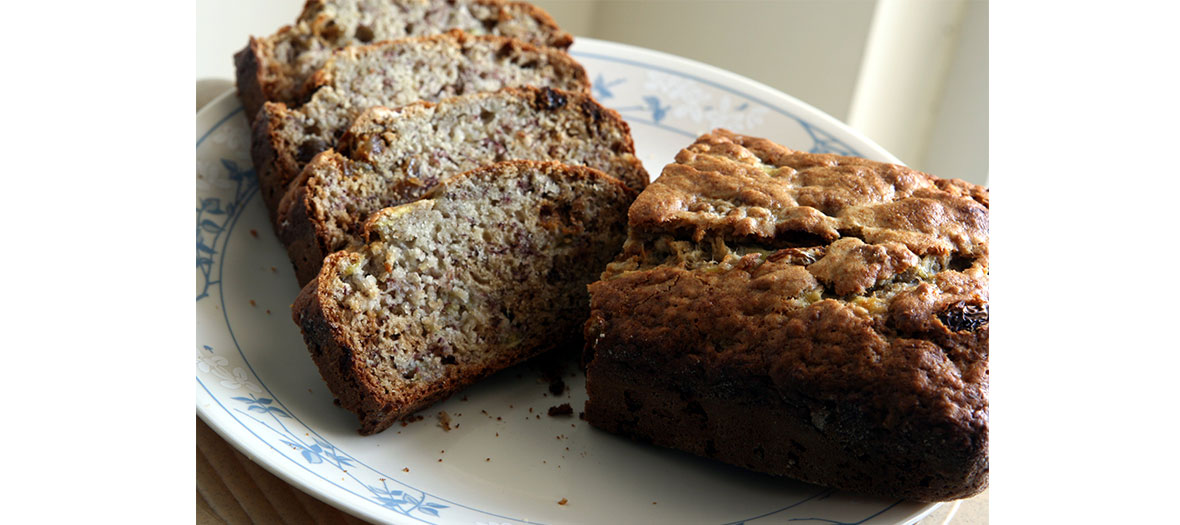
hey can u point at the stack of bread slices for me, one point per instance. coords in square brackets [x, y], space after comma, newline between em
[444, 184]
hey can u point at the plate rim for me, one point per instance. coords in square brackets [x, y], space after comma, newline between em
[878, 152]
[221, 422]
[239, 437]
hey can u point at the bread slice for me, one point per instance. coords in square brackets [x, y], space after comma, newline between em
[394, 74]
[276, 68]
[487, 270]
[814, 316]
[390, 157]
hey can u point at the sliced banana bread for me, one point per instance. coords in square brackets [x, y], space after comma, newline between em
[276, 68]
[814, 316]
[487, 270]
[394, 74]
[393, 156]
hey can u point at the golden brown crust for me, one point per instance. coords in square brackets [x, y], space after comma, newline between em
[848, 298]
[751, 189]
[852, 267]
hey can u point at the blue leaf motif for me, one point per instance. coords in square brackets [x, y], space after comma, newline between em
[210, 226]
[436, 505]
[264, 400]
[312, 457]
[601, 86]
[658, 112]
[232, 167]
[201, 247]
[256, 408]
[428, 510]
[211, 205]
[390, 503]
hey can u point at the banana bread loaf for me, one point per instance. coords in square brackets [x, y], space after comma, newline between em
[390, 157]
[487, 270]
[276, 68]
[814, 316]
[394, 74]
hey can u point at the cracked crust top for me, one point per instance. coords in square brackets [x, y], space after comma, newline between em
[754, 190]
[834, 278]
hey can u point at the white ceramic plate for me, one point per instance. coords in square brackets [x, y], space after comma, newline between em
[505, 460]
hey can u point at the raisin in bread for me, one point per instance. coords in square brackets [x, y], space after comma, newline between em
[394, 74]
[393, 156]
[487, 270]
[276, 68]
[815, 316]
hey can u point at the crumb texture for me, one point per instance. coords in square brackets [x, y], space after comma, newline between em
[390, 157]
[850, 296]
[490, 269]
[280, 65]
[393, 74]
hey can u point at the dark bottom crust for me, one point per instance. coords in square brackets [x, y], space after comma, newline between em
[374, 422]
[273, 174]
[345, 373]
[297, 232]
[772, 435]
[247, 65]
[335, 361]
